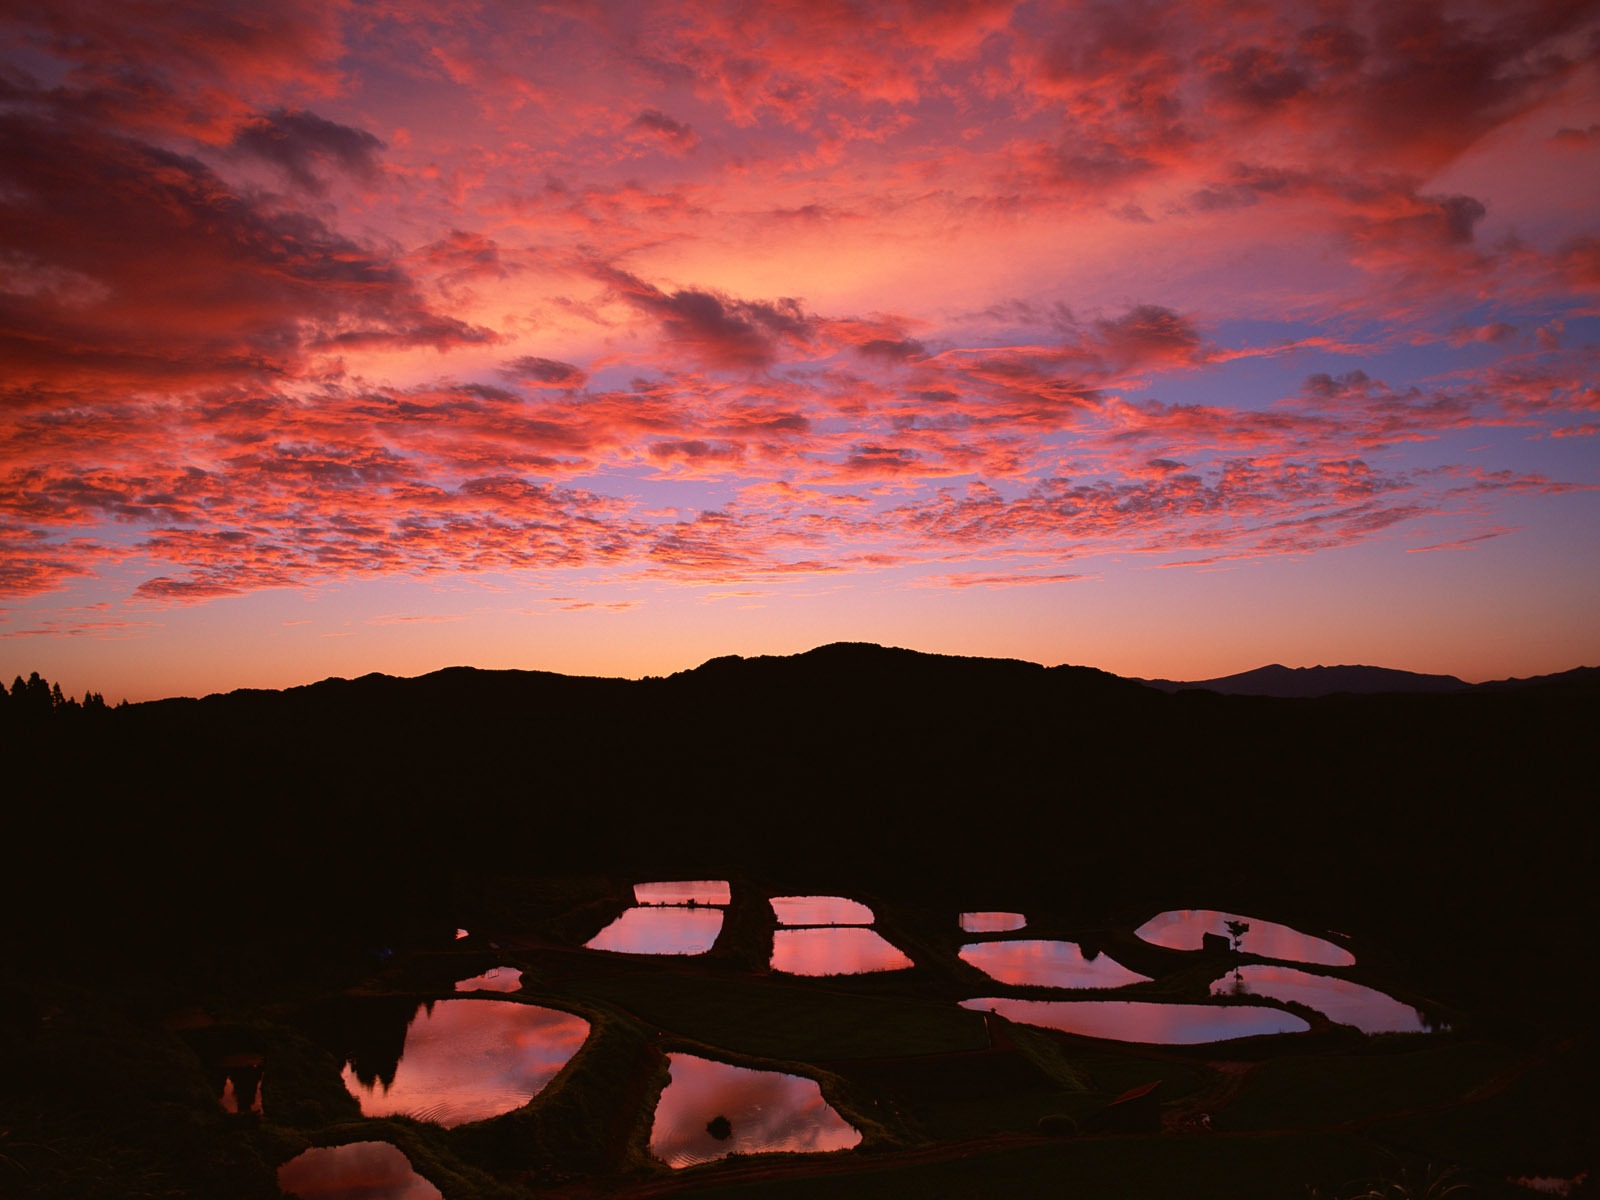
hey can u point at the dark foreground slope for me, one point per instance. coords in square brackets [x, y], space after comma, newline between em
[252, 850]
[362, 800]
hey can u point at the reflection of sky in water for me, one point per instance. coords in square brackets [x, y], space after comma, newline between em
[766, 1110]
[471, 1059]
[991, 922]
[1339, 1000]
[1138, 1021]
[1047, 964]
[660, 931]
[701, 891]
[495, 979]
[241, 1082]
[354, 1171]
[230, 1098]
[1182, 930]
[820, 910]
[841, 950]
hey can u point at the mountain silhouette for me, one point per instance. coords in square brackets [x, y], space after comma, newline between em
[1305, 682]
[1310, 682]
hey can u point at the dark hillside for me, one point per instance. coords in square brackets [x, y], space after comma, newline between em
[350, 807]
[292, 863]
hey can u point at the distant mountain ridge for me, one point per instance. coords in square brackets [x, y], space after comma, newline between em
[1306, 683]
[866, 664]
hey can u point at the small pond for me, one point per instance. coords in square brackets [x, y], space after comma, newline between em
[834, 950]
[230, 1099]
[684, 891]
[241, 1087]
[662, 930]
[991, 922]
[820, 910]
[466, 1060]
[1339, 1000]
[711, 1109]
[1139, 1021]
[1038, 963]
[364, 1170]
[1183, 929]
[495, 979]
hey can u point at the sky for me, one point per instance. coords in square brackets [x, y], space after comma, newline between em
[605, 338]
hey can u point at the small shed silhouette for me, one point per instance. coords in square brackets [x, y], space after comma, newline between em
[1215, 943]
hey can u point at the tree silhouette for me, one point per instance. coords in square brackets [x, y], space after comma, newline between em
[37, 699]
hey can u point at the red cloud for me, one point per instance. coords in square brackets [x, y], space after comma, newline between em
[717, 329]
[172, 330]
[1149, 336]
[661, 129]
[32, 563]
[795, 59]
[304, 146]
[186, 68]
[169, 279]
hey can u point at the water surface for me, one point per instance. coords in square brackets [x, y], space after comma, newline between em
[495, 979]
[354, 1171]
[1141, 1021]
[663, 930]
[1184, 928]
[466, 1060]
[1039, 963]
[683, 891]
[241, 1087]
[760, 1111]
[834, 950]
[1339, 1000]
[820, 910]
[991, 922]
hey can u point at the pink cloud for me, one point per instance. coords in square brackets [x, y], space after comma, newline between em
[188, 69]
[740, 293]
[173, 280]
[721, 331]
[32, 563]
[659, 129]
[981, 580]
